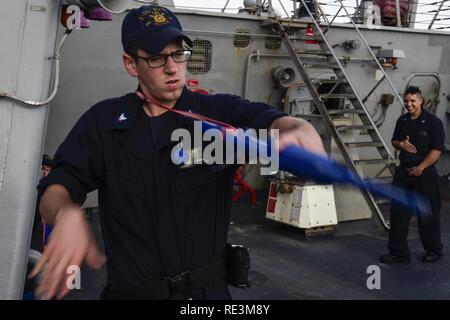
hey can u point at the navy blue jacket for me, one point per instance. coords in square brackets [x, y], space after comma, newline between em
[425, 132]
[157, 219]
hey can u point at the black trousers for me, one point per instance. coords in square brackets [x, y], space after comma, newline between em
[217, 291]
[429, 227]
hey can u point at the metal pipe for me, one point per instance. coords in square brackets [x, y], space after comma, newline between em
[423, 74]
[397, 10]
[25, 68]
[435, 16]
[332, 20]
[270, 8]
[373, 89]
[413, 12]
[226, 5]
[281, 56]
[284, 9]
[230, 33]
[56, 57]
[322, 13]
[247, 67]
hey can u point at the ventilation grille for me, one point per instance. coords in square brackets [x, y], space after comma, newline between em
[273, 43]
[201, 57]
[241, 38]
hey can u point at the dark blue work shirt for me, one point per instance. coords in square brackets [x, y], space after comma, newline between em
[157, 219]
[155, 124]
[426, 132]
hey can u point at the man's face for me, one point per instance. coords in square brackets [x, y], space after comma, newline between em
[45, 170]
[413, 104]
[163, 83]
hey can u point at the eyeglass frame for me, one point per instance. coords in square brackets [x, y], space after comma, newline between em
[166, 56]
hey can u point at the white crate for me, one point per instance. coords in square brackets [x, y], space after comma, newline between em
[305, 207]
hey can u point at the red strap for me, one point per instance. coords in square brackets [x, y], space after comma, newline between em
[184, 113]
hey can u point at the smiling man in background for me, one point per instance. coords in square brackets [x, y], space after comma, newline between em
[419, 135]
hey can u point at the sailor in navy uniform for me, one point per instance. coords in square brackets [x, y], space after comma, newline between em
[419, 135]
[164, 226]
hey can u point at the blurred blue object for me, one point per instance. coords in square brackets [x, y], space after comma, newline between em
[303, 163]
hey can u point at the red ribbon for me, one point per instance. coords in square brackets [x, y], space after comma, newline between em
[184, 113]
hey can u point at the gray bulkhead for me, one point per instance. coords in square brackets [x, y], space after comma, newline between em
[92, 67]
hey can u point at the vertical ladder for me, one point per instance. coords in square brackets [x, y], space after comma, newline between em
[366, 126]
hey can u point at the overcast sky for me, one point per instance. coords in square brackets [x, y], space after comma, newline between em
[424, 19]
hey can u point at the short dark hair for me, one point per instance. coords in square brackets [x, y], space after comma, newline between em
[132, 52]
[413, 90]
[47, 160]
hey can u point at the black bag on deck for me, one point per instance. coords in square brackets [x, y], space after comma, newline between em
[238, 265]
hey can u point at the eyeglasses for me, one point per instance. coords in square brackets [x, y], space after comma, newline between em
[160, 60]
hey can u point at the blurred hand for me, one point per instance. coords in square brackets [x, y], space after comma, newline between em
[305, 136]
[415, 171]
[407, 146]
[71, 243]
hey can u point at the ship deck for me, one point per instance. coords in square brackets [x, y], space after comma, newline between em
[287, 265]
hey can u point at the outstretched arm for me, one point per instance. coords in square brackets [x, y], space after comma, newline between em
[71, 242]
[54, 198]
[296, 131]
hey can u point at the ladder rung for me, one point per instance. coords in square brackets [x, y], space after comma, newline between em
[354, 127]
[328, 80]
[321, 66]
[313, 59]
[371, 161]
[345, 111]
[363, 144]
[313, 38]
[302, 23]
[338, 95]
[316, 52]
